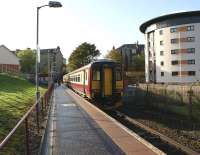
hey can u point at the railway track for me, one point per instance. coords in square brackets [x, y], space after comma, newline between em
[157, 139]
[162, 142]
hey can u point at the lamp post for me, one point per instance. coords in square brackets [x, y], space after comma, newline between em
[53, 4]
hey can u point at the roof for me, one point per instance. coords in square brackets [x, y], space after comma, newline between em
[51, 50]
[48, 50]
[3, 46]
[166, 17]
[130, 45]
[90, 64]
[11, 58]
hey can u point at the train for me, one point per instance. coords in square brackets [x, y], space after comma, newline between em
[100, 80]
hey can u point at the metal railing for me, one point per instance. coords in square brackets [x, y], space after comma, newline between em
[38, 109]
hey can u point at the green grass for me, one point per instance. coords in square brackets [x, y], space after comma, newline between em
[17, 95]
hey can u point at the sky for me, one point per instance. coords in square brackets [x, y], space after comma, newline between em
[105, 23]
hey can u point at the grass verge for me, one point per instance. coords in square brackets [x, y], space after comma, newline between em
[17, 95]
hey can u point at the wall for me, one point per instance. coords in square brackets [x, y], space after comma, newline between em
[9, 68]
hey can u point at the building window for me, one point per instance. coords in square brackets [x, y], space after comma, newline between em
[172, 30]
[134, 51]
[175, 62]
[191, 73]
[175, 51]
[161, 73]
[161, 32]
[191, 50]
[174, 41]
[161, 53]
[149, 44]
[162, 63]
[161, 42]
[190, 28]
[150, 54]
[191, 62]
[190, 39]
[174, 73]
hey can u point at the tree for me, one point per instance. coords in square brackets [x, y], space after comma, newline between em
[139, 62]
[27, 60]
[114, 55]
[82, 55]
[65, 69]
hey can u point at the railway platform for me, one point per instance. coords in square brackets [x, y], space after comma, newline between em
[77, 127]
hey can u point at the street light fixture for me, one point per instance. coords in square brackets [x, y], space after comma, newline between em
[52, 4]
[55, 4]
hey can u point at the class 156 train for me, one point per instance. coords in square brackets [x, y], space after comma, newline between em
[101, 79]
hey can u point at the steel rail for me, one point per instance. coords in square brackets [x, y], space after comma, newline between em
[163, 137]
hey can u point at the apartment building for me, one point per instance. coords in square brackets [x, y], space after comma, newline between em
[172, 53]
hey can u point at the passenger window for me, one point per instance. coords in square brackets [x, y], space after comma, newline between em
[96, 75]
[86, 75]
[118, 75]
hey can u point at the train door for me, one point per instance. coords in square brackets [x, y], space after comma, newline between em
[107, 81]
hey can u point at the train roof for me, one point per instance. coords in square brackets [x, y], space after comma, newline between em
[90, 64]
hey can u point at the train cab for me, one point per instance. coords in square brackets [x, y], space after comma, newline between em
[101, 79]
[106, 81]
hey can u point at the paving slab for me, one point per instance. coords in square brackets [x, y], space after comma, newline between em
[76, 127]
[75, 132]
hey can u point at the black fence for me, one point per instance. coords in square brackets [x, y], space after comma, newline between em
[182, 100]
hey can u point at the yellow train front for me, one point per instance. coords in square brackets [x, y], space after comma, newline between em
[100, 80]
[106, 81]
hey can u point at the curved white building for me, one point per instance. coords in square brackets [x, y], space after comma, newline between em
[172, 48]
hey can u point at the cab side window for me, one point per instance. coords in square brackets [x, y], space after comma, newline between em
[118, 75]
[96, 75]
